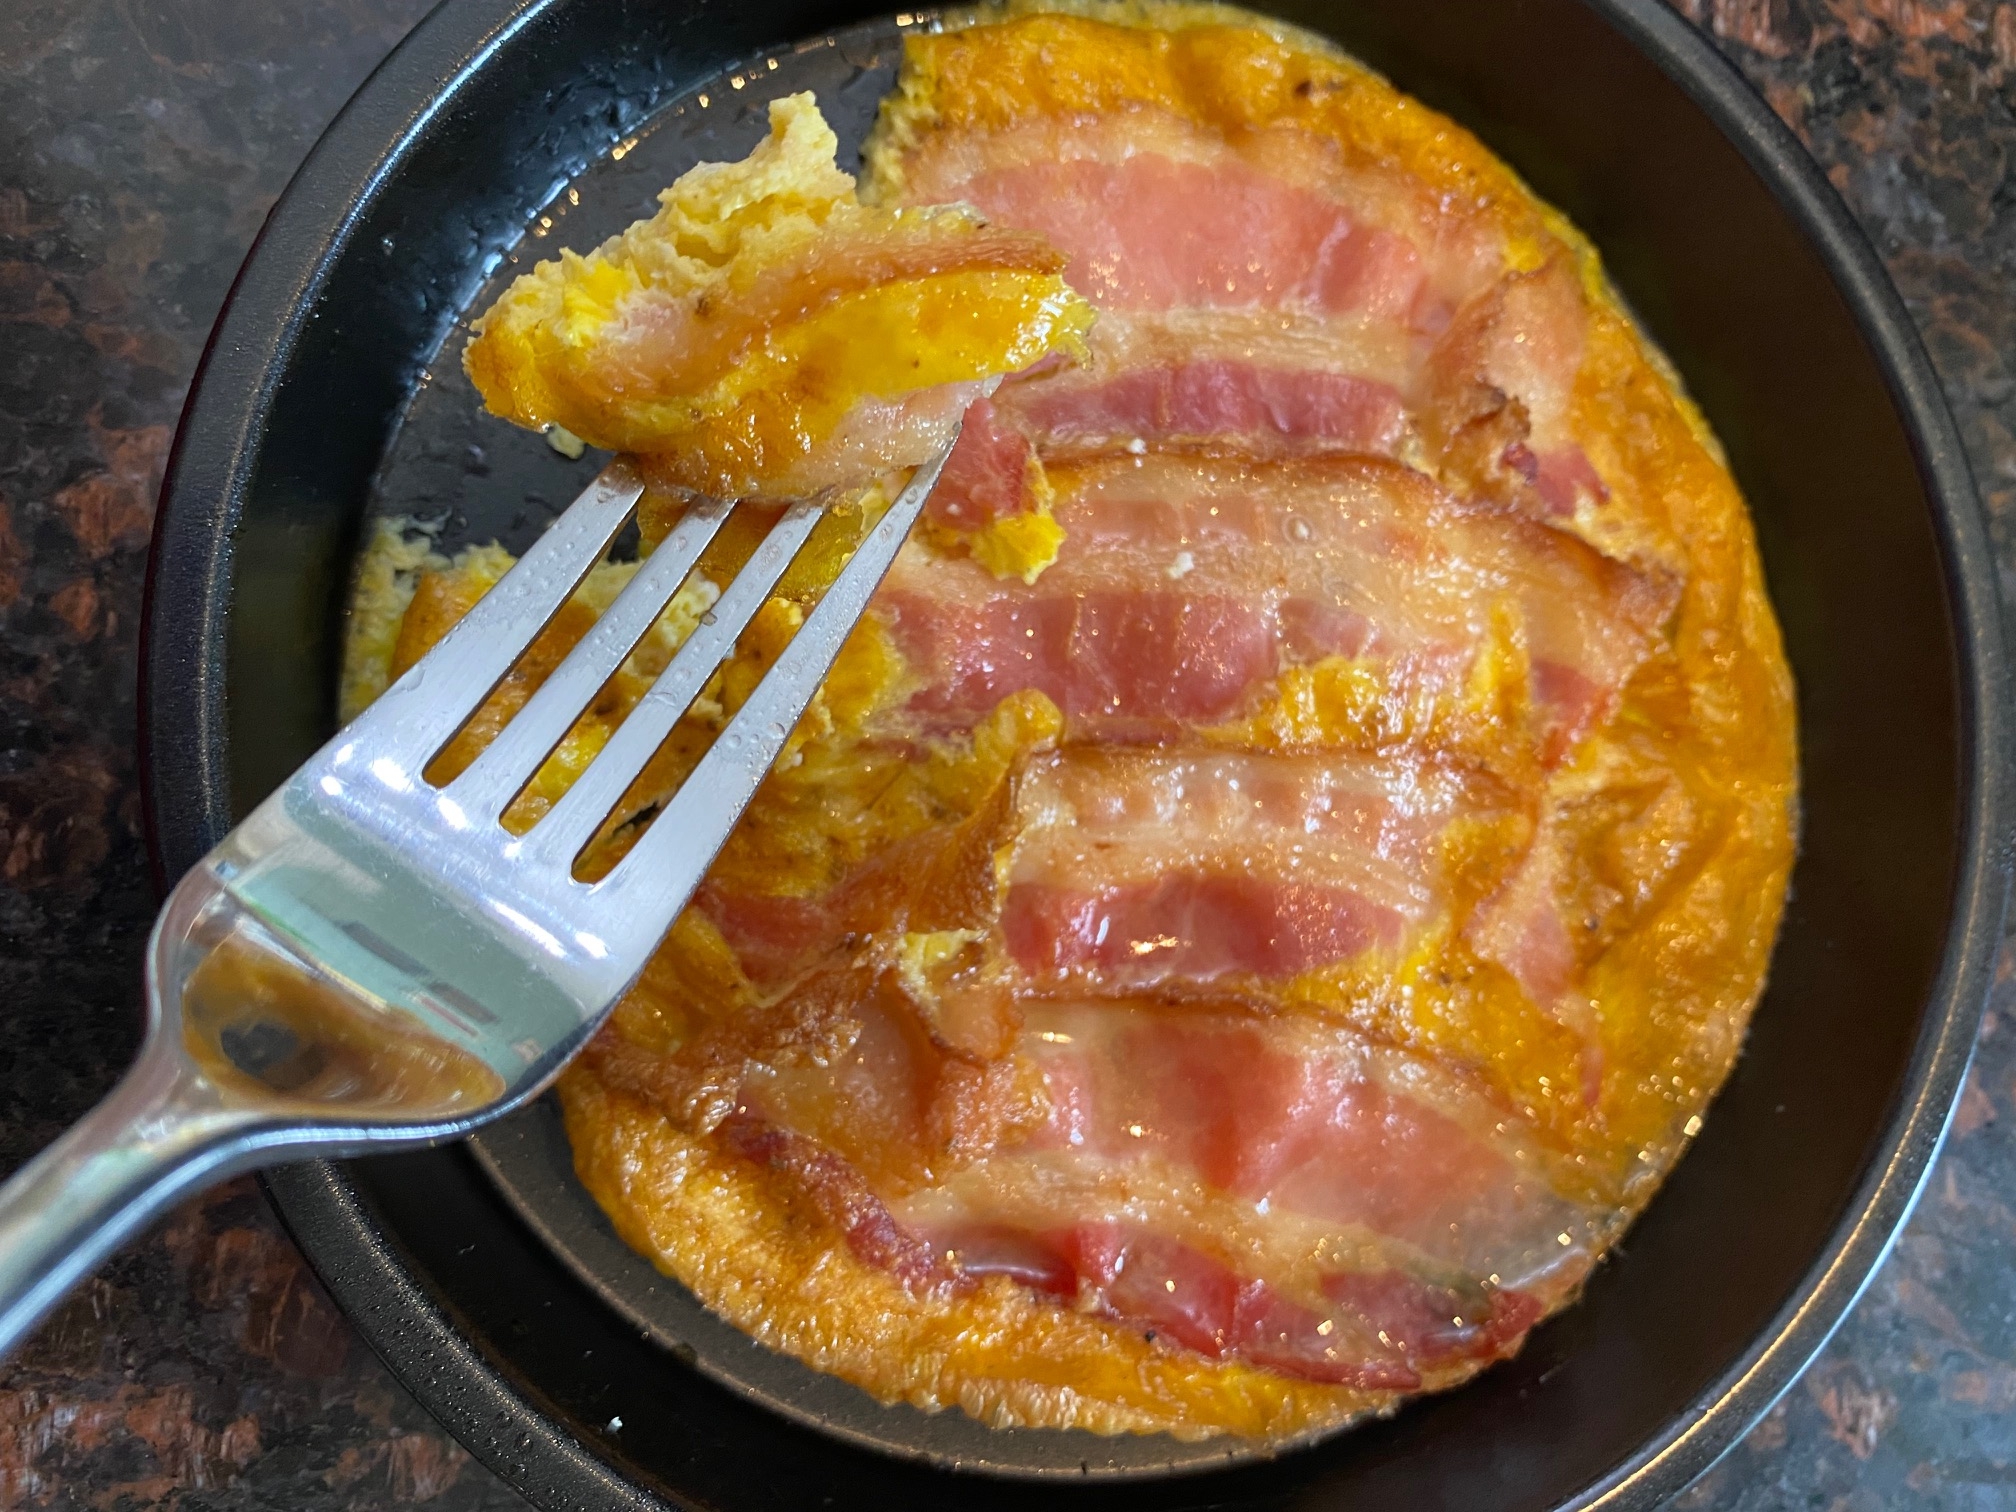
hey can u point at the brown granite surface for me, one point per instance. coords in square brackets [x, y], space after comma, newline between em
[141, 141]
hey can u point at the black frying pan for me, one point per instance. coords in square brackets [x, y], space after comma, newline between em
[489, 1283]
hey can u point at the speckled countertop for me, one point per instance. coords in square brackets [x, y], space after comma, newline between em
[141, 142]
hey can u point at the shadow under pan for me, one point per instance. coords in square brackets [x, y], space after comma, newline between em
[333, 392]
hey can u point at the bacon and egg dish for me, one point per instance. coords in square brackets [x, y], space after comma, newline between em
[1274, 882]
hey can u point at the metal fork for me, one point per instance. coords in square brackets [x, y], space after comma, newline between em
[372, 962]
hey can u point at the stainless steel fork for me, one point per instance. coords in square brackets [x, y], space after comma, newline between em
[371, 961]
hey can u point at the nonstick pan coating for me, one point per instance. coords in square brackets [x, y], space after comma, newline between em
[328, 386]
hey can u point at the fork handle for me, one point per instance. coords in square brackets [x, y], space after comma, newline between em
[163, 1131]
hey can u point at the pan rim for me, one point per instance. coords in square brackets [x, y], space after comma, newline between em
[185, 774]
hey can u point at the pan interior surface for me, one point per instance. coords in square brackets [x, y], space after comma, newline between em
[572, 1369]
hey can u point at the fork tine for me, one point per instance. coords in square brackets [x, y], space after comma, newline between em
[421, 712]
[659, 875]
[572, 822]
[485, 789]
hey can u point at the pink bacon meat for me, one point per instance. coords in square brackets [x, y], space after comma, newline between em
[1149, 232]
[987, 475]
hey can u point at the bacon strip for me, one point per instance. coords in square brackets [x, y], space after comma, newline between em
[1157, 212]
[1154, 232]
[1267, 1190]
[1183, 587]
[1137, 867]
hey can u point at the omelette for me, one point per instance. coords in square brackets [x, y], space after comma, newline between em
[1278, 876]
